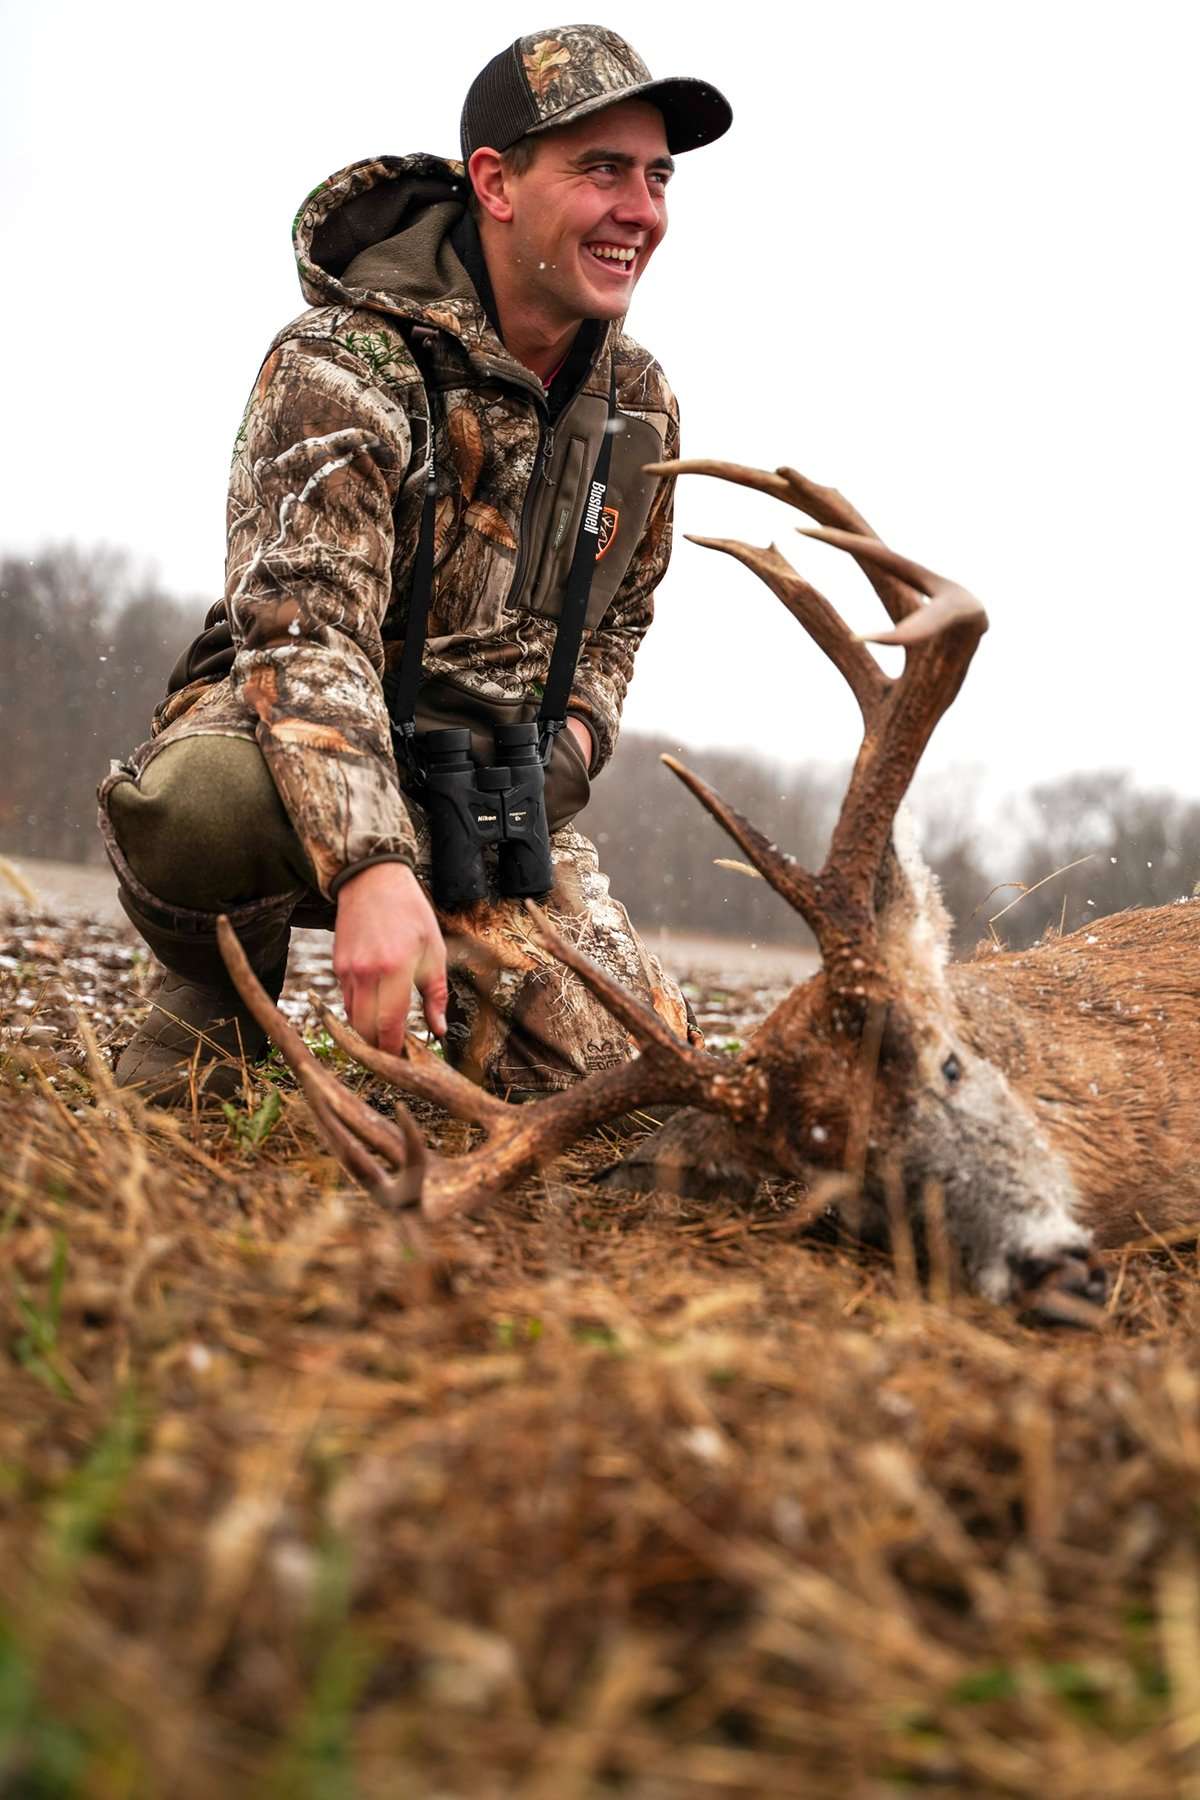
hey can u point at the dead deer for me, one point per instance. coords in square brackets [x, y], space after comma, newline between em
[1034, 1104]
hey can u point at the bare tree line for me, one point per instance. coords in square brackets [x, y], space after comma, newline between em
[88, 644]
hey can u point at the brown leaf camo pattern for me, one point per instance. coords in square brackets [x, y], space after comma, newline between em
[466, 437]
[578, 63]
[491, 523]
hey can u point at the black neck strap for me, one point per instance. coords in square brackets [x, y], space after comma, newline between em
[402, 691]
[569, 636]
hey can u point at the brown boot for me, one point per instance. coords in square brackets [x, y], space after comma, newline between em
[193, 1046]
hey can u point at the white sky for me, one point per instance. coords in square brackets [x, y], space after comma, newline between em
[942, 261]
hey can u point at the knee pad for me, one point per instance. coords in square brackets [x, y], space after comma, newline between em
[204, 827]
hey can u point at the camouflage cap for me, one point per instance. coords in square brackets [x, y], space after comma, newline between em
[552, 77]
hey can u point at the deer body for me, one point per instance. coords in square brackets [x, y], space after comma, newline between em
[1034, 1102]
[1099, 1032]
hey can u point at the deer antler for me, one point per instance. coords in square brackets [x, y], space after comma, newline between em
[390, 1158]
[937, 623]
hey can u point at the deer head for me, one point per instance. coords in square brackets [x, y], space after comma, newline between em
[866, 1069]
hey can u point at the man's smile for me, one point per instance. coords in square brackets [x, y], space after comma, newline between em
[619, 259]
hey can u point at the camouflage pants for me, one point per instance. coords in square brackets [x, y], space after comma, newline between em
[201, 830]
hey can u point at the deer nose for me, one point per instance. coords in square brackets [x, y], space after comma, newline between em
[1073, 1273]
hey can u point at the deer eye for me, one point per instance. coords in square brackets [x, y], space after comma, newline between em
[952, 1069]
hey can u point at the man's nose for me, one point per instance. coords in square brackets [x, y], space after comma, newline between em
[639, 204]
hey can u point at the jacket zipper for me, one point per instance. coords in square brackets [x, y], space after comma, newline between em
[541, 464]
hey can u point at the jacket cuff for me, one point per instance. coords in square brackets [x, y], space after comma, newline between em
[369, 862]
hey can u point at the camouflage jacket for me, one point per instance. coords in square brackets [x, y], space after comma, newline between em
[328, 478]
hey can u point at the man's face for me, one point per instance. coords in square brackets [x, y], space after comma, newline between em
[590, 211]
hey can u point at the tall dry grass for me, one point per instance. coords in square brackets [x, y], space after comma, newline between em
[590, 1496]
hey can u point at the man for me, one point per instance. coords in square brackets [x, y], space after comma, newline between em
[472, 315]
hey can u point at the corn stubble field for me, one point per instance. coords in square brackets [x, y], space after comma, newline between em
[589, 1496]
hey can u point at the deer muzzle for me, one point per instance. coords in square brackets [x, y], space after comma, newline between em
[1067, 1289]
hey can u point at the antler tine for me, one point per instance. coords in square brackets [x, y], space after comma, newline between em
[824, 504]
[790, 881]
[765, 480]
[352, 1128]
[831, 508]
[344, 1144]
[939, 641]
[349, 1123]
[950, 604]
[641, 1022]
[418, 1072]
[534, 1134]
[519, 1138]
[823, 623]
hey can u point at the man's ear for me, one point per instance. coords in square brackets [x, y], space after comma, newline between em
[491, 184]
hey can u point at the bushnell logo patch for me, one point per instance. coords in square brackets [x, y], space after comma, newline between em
[607, 535]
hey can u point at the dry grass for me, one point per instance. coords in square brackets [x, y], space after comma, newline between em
[592, 1496]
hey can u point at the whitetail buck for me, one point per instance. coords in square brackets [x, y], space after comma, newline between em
[1047, 1100]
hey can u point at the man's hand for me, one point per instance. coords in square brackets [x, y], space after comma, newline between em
[387, 941]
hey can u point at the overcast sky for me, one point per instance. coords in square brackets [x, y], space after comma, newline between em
[945, 260]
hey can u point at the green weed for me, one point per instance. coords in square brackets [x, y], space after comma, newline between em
[250, 1130]
[90, 1494]
[1097, 1695]
[36, 1349]
[316, 1763]
[323, 1047]
[511, 1333]
[600, 1337]
[43, 1757]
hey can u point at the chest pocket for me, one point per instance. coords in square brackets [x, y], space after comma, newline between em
[626, 507]
[627, 504]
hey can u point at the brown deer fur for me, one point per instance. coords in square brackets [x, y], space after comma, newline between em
[1100, 1033]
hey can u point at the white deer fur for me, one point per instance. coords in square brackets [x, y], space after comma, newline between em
[1009, 1198]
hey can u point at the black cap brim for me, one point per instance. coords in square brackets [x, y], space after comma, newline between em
[693, 111]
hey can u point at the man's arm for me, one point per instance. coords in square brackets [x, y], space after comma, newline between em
[321, 455]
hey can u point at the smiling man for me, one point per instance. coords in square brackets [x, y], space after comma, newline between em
[460, 368]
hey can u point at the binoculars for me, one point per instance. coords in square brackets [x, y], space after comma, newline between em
[471, 806]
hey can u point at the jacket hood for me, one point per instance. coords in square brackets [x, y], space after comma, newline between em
[389, 216]
[377, 234]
